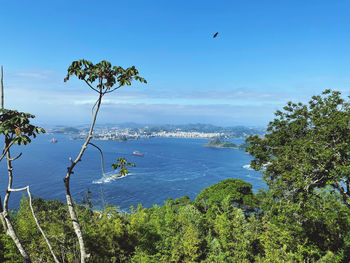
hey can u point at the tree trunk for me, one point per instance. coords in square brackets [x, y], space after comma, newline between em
[66, 180]
[2, 217]
[10, 230]
[75, 221]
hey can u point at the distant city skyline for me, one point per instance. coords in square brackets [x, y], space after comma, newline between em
[266, 53]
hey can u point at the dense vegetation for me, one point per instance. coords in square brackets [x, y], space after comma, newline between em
[225, 223]
[304, 216]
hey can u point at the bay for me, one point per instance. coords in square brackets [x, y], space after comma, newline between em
[171, 167]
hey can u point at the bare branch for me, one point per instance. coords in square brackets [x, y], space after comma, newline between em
[102, 166]
[15, 158]
[109, 91]
[92, 109]
[37, 223]
[17, 189]
[35, 218]
[6, 149]
[90, 85]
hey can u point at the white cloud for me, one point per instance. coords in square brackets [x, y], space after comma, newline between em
[44, 94]
[32, 75]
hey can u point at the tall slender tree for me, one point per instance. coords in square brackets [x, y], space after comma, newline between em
[103, 79]
[16, 128]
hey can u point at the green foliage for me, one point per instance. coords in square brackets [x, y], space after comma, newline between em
[122, 163]
[17, 128]
[179, 231]
[307, 147]
[106, 75]
[233, 238]
[329, 258]
[53, 217]
[234, 192]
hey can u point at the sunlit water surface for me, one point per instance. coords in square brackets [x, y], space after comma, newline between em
[171, 167]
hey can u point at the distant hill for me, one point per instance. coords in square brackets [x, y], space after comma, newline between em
[66, 130]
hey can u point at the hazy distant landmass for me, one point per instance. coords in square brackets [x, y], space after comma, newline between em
[232, 132]
[66, 130]
[129, 131]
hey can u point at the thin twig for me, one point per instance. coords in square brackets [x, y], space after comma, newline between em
[90, 85]
[92, 109]
[109, 91]
[17, 189]
[6, 150]
[35, 218]
[103, 170]
[15, 158]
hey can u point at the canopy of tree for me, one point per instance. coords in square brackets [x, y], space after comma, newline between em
[307, 147]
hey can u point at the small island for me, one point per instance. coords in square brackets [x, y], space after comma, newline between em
[217, 143]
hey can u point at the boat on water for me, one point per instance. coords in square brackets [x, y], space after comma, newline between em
[136, 153]
[53, 140]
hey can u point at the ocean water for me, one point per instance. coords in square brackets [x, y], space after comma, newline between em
[171, 167]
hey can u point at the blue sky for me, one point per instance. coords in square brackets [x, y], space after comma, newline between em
[266, 53]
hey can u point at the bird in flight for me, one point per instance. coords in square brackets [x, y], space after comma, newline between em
[215, 35]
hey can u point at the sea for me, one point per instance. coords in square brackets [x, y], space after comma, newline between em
[170, 168]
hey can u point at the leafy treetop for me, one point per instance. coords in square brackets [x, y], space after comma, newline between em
[306, 147]
[17, 128]
[104, 73]
[235, 191]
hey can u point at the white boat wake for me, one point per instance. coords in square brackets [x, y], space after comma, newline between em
[248, 167]
[108, 177]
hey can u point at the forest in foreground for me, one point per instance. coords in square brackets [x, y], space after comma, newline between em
[304, 216]
[225, 223]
